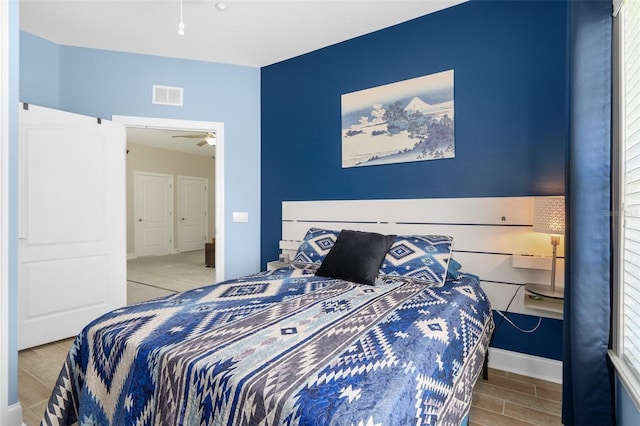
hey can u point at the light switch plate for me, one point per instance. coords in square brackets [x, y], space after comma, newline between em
[240, 217]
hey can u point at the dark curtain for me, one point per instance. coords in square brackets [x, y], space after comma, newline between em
[587, 391]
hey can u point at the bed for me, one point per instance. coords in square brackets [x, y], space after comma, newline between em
[361, 329]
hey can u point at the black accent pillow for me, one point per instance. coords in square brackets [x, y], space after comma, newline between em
[356, 256]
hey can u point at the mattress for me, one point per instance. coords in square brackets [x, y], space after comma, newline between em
[282, 347]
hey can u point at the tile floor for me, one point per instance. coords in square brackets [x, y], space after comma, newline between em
[506, 399]
[38, 370]
[38, 367]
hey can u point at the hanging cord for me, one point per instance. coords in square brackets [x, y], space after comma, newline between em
[504, 316]
[181, 24]
[520, 329]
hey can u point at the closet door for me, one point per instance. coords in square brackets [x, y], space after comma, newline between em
[193, 200]
[72, 265]
[153, 213]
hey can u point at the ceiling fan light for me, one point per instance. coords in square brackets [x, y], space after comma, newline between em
[211, 140]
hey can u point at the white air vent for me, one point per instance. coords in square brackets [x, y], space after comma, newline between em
[165, 95]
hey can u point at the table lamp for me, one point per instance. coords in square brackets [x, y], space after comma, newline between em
[548, 218]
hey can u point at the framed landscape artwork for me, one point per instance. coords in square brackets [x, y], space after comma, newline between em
[410, 120]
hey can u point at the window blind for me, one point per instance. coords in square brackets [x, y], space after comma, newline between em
[630, 190]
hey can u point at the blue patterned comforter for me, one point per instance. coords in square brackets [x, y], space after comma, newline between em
[280, 348]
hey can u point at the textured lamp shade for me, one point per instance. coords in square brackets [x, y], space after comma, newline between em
[548, 215]
[548, 218]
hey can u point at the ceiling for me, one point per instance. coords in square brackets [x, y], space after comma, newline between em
[252, 33]
[248, 32]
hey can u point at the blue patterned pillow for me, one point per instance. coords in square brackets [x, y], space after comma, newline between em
[315, 246]
[418, 257]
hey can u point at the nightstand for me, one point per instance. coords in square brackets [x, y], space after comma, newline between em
[276, 264]
[539, 296]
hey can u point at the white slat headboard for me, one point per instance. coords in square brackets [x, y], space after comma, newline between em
[486, 233]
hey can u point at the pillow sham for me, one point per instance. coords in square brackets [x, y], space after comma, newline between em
[356, 256]
[314, 247]
[423, 258]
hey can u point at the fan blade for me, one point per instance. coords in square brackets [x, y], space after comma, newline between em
[200, 136]
[202, 142]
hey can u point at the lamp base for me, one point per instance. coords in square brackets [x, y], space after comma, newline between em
[544, 291]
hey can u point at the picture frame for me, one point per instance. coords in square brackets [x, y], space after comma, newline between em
[405, 121]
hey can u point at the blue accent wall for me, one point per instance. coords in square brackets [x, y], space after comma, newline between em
[511, 129]
[104, 83]
[545, 341]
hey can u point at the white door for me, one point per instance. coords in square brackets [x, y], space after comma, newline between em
[72, 248]
[153, 213]
[193, 223]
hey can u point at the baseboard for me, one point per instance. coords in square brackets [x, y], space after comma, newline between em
[527, 365]
[14, 415]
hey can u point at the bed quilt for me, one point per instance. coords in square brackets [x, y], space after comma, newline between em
[280, 348]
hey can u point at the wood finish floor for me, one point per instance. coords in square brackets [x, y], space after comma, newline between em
[509, 399]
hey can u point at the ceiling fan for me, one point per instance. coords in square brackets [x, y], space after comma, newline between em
[207, 138]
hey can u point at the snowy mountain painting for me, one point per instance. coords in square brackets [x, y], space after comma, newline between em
[411, 120]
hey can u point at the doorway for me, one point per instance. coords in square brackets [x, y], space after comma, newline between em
[195, 126]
